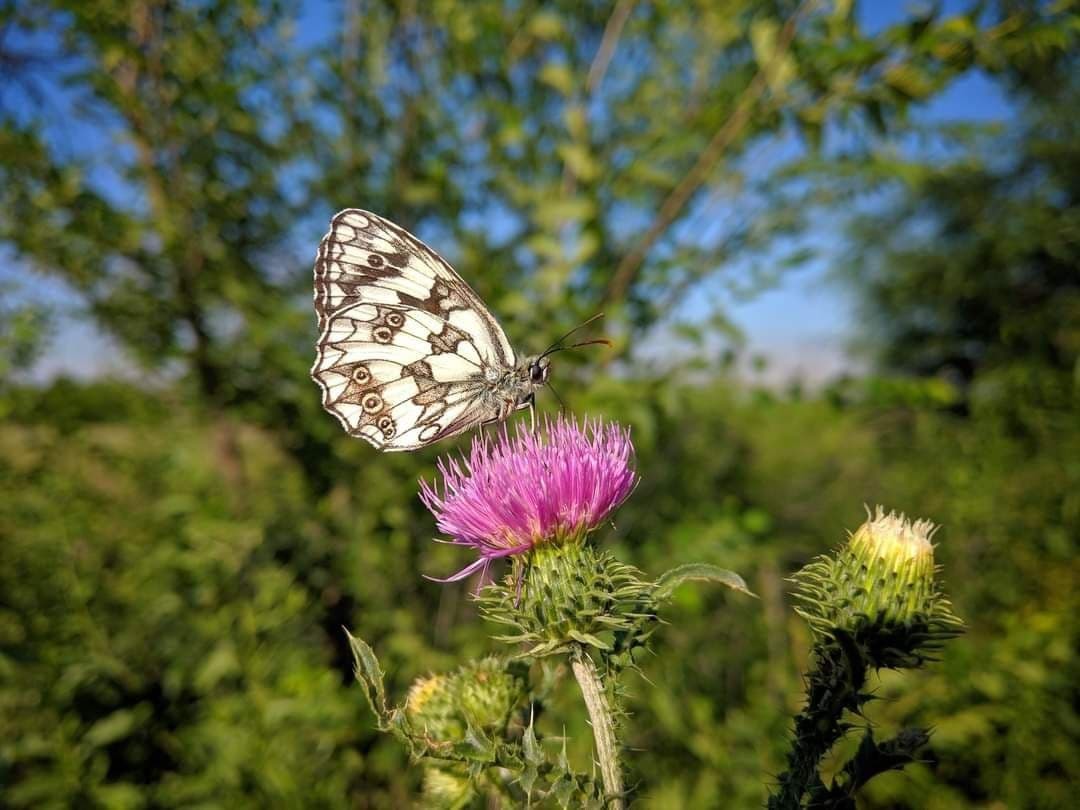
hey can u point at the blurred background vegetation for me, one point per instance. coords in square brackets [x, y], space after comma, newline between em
[183, 531]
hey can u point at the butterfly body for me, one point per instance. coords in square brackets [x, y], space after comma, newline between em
[516, 389]
[407, 353]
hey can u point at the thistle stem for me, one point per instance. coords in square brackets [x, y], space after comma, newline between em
[607, 746]
[833, 686]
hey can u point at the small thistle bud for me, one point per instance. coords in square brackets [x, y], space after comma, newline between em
[429, 708]
[447, 786]
[479, 695]
[442, 713]
[889, 562]
[879, 588]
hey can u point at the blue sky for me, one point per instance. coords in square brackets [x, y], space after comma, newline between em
[801, 326]
[804, 325]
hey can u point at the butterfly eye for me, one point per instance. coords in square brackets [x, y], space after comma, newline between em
[361, 375]
[396, 320]
[538, 373]
[382, 334]
[375, 260]
[372, 403]
[386, 425]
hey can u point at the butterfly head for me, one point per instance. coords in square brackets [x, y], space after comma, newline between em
[538, 367]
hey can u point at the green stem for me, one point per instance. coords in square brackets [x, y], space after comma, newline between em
[607, 746]
[833, 686]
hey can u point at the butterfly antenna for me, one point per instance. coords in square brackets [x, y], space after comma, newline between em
[594, 342]
[557, 345]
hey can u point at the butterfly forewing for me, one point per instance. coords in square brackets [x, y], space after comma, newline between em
[405, 346]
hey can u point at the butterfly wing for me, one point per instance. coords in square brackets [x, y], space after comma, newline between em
[406, 349]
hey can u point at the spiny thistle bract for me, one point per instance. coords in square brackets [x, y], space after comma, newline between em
[570, 595]
[879, 589]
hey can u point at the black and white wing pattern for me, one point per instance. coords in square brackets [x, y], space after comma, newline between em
[407, 351]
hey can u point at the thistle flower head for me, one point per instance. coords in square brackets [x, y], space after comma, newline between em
[880, 585]
[902, 545]
[513, 493]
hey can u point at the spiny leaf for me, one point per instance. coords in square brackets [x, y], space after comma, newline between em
[369, 674]
[589, 639]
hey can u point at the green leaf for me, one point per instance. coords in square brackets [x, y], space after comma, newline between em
[579, 160]
[668, 582]
[546, 25]
[369, 674]
[563, 790]
[534, 754]
[910, 81]
[763, 38]
[559, 76]
[589, 639]
[114, 727]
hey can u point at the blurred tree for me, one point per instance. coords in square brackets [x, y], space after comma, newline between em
[535, 145]
[969, 273]
[974, 270]
[149, 180]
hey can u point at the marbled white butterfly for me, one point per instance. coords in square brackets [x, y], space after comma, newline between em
[407, 353]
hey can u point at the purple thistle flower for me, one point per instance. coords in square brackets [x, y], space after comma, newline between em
[511, 494]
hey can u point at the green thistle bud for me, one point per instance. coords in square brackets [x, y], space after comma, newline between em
[879, 589]
[480, 695]
[447, 787]
[446, 714]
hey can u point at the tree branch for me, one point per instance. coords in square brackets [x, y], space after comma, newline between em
[631, 263]
[597, 70]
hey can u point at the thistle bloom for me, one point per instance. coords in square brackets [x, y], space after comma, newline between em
[880, 586]
[514, 493]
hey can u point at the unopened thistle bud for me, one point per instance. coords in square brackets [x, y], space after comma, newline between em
[443, 711]
[480, 695]
[879, 588]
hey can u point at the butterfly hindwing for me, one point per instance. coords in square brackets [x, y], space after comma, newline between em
[405, 345]
[401, 407]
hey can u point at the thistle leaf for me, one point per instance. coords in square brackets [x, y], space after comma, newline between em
[669, 581]
[369, 674]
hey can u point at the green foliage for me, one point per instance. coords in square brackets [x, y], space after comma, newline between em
[21, 331]
[154, 649]
[972, 264]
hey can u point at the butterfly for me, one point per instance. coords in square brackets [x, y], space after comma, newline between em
[407, 353]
